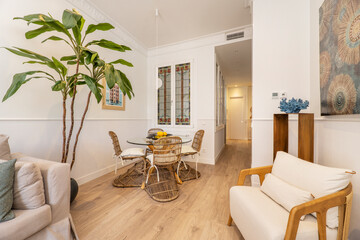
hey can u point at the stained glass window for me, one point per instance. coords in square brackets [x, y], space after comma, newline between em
[182, 93]
[164, 96]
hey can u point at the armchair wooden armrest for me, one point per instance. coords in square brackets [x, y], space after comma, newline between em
[260, 171]
[343, 199]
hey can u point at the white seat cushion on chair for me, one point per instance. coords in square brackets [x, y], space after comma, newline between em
[187, 149]
[133, 152]
[150, 158]
[317, 179]
[259, 217]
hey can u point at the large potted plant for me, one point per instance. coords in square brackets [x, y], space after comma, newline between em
[89, 67]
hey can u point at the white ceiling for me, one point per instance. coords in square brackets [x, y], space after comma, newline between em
[178, 20]
[235, 62]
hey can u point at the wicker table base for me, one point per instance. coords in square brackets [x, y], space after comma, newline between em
[163, 191]
[166, 189]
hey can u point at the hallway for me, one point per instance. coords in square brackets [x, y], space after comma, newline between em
[102, 211]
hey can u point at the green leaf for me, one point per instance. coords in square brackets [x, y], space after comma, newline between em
[71, 62]
[55, 38]
[126, 48]
[18, 80]
[101, 26]
[109, 75]
[37, 18]
[91, 83]
[125, 84]
[123, 62]
[125, 80]
[77, 34]
[59, 85]
[81, 24]
[68, 58]
[26, 53]
[107, 44]
[34, 33]
[57, 26]
[34, 62]
[70, 18]
[99, 63]
[60, 66]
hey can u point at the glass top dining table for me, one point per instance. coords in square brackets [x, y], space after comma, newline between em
[147, 141]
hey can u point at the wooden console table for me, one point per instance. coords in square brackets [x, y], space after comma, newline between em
[305, 134]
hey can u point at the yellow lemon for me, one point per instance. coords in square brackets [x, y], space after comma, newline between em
[165, 133]
[159, 133]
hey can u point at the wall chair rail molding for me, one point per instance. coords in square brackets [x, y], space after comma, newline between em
[99, 16]
[76, 119]
[320, 119]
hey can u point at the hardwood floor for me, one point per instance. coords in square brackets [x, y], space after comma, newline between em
[102, 211]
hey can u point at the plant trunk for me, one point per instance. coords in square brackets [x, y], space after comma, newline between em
[72, 114]
[64, 130]
[80, 128]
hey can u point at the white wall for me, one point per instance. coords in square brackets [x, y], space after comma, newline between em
[202, 54]
[32, 117]
[290, 62]
[280, 63]
[336, 137]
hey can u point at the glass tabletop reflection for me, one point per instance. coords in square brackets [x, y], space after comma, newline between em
[147, 141]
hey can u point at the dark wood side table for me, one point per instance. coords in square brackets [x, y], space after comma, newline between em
[305, 134]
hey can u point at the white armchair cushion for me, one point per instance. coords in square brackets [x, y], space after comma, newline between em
[317, 179]
[130, 152]
[259, 217]
[28, 186]
[283, 193]
[187, 149]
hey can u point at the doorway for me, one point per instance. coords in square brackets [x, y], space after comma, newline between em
[234, 61]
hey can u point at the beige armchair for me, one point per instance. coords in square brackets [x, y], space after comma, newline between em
[291, 227]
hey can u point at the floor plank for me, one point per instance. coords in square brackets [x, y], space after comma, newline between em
[102, 211]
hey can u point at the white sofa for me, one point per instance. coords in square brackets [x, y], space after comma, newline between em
[259, 216]
[50, 221]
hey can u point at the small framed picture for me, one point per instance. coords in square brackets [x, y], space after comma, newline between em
[113, 98]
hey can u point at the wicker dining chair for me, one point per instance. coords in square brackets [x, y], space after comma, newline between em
[154, 130]
[128, 154]
[167, 152]
[193, 150]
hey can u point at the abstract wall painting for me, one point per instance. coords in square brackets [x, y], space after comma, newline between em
[113, 98]
[339, 35]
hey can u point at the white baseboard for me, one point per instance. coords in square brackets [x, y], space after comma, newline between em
[219, 154]
[99, 173]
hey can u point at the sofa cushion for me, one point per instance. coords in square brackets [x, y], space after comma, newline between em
[285, 194]
[4, 147]
[317, 179]
[258, 217]
[28, 186]
[26, 223]
[7, 170]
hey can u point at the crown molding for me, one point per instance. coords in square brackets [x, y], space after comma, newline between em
[99, 16]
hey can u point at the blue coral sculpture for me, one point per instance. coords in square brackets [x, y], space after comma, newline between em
[293, 105]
